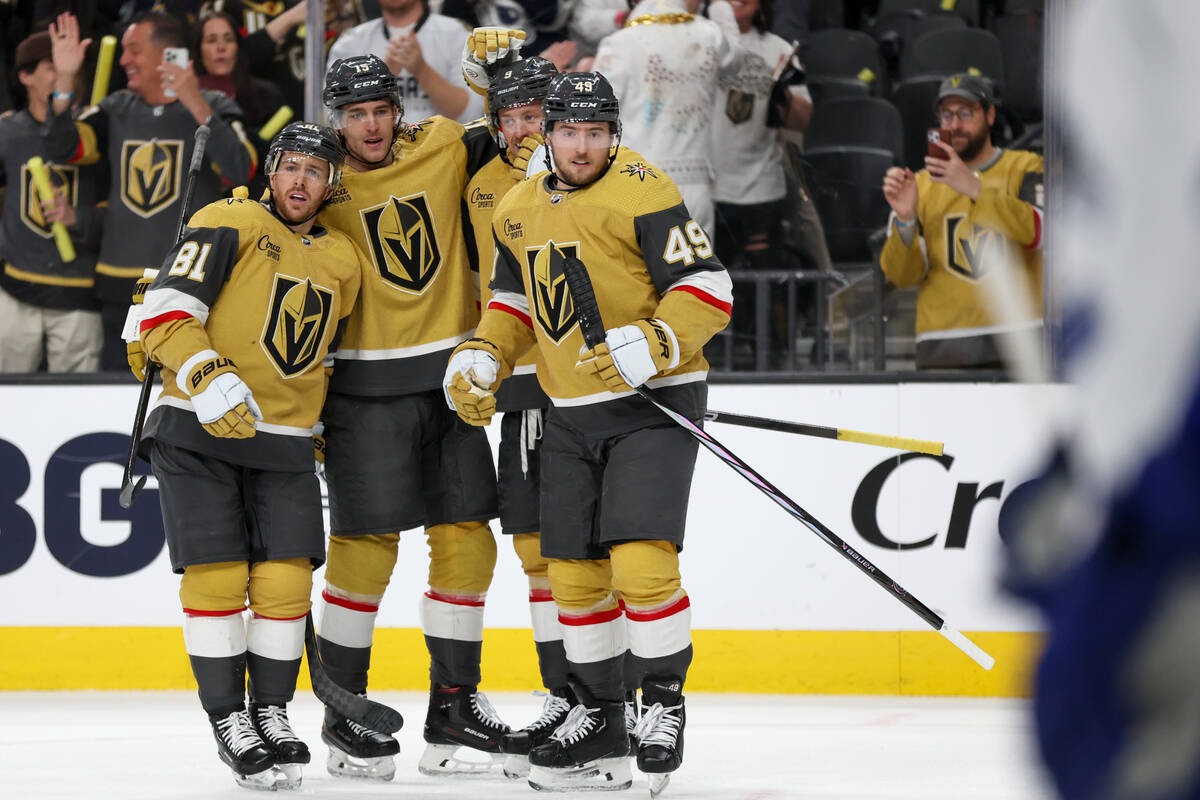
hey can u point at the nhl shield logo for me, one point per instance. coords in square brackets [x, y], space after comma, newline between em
[297, 319]
[404, 242]
[63, 179]
[552, 306]
[150, 174]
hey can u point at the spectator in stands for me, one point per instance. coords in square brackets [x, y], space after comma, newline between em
[544, 23]
[765, 95]
[591, 21]
[970, 219]
[664, 65]
[47, 305]
[424, 51]
[222, 66]
[145, 135]
[270, 41]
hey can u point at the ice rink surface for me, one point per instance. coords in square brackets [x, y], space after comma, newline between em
[158, 746]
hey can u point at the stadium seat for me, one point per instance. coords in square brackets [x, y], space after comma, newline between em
[896, 30]
[967, 9]
[913, 99]
[1020, 36]
[946, 52]
[848, 147]
[835, 63]
[824, 14]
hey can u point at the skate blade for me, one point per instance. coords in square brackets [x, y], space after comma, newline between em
[292, 776]
[343, 765]
[658, 783]
[448, 760]
[602, 775]
[265, 781]
[516, 767]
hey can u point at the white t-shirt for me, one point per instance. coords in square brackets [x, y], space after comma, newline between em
[747, 155]
[441, 39]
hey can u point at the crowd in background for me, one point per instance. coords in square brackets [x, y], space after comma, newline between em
[713, 93]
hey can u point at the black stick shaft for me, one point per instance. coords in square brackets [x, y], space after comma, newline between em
[129, 489]
[592, 327]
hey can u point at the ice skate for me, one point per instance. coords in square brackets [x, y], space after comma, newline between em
[356, 751]
[239, 746]
[660, 736]
[588, 752]
[290, 753]
[518, 744]
[461, 720]
[631, 718]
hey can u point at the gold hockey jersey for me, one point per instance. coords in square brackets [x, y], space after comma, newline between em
[520, 391]
[955, 252]
[647, 257]
[245, 285]
[420, 298]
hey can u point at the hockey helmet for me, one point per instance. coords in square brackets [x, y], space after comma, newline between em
[314, 140]
[521, 82]
[358, 79]
[581, 97]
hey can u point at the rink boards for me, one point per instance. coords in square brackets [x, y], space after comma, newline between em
[87, 599]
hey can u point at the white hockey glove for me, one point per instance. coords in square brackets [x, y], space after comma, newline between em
[486, 50]
[223, 402]
[633, 354]
[470, 380]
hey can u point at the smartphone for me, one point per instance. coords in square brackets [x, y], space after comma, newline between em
[177, 56]
[937, 135]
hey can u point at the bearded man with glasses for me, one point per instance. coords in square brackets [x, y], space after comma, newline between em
[955, 225]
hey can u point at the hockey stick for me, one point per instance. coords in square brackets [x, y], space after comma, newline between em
[354, 707]
[590, 324]
[129, 489]
[820, 431]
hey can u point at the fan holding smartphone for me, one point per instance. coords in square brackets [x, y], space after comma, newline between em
[177, 57]
[955, 219]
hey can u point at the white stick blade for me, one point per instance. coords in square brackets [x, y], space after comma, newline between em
[967, 646]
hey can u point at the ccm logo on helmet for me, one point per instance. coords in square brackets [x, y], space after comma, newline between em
[583, 104]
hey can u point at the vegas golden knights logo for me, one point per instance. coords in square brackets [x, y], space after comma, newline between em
[150, 174]
[970, 253]
[552, 306]
[404, 242]
[296, 324]
[62, 179]
[738, 106]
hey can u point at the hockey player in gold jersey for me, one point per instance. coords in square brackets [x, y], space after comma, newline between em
[973, 208]
[514, 99]
[396, 457]
[242, 316]
[617, 472]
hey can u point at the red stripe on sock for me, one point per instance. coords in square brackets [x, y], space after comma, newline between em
[457, 600]
[279, 619]
[650, 616]
[196, 612]
[590, 619]
[350, 604]
[541, 596]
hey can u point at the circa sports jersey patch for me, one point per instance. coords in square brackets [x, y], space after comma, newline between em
[403, 242]
[297, 318]
[639, 170]
[150, 174]
[65, 179]
[552, 306]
